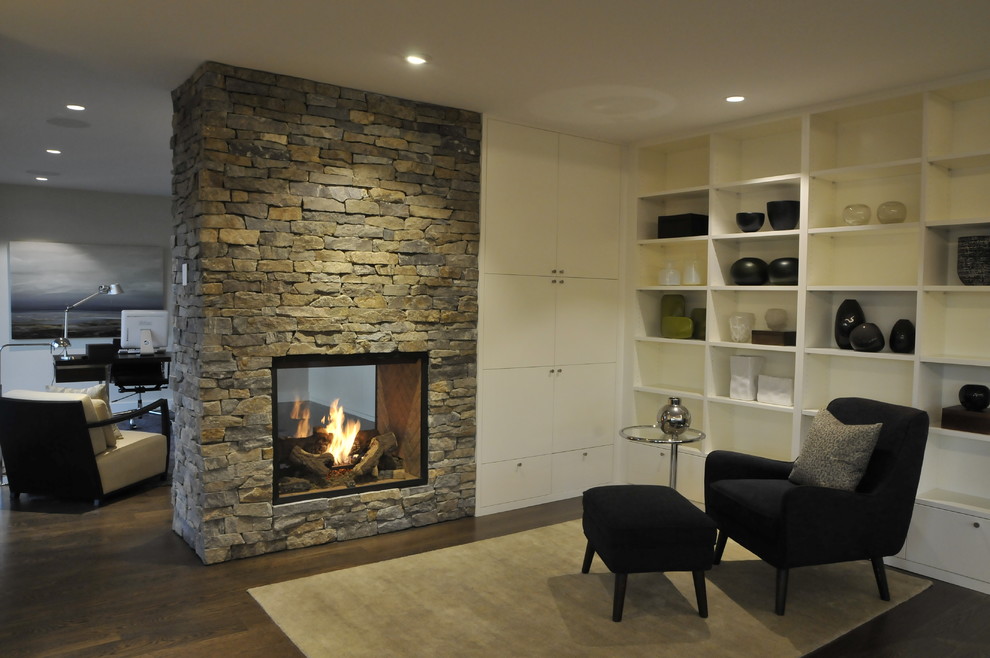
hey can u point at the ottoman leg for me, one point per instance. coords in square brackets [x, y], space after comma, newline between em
[620, 596]
[589, 555]
[700, 593]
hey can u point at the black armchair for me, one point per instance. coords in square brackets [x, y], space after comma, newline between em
[791, 525]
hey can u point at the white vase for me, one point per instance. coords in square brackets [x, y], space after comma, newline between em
[741, 327]
[744, 372]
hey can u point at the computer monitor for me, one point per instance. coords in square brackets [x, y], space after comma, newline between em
[144, 331]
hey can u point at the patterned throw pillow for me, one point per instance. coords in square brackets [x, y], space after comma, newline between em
[835, 455]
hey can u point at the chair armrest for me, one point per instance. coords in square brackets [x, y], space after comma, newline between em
[728, 465]
[161, 404]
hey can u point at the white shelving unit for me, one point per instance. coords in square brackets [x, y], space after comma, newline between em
[928, 149]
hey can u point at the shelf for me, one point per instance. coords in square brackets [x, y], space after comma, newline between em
[682, 194]
[957, 434]
[854, 354]
[981, 361]
[784, 181]
[753, 404]
[954, 501]
[754, 346]
[864, 258]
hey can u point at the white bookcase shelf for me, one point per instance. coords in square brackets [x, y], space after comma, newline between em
[929, 150]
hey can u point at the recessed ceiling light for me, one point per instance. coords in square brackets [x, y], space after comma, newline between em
[75, 108]
[417, 60]
[735, 99]
[41, 178]
[53, 151]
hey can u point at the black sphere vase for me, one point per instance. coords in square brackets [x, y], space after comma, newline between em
[783, 272]
[902, 337]
[974, 397]
[749, 272]
[867, 337]
[849, 316]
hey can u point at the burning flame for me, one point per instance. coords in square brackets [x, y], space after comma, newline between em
[342, 433]
[300, 412]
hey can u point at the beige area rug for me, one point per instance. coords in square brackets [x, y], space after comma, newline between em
[524, 595]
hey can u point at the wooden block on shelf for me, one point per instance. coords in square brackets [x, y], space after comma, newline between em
[774, 337]
[959, 418]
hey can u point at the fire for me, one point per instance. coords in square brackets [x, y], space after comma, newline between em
[342, 433]
[300, 412]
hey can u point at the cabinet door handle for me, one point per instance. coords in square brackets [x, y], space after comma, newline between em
[519, 465]
[976, 524]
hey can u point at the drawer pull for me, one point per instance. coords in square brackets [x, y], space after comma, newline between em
[976, 524]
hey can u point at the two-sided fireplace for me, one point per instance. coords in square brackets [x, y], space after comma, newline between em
[348, 423]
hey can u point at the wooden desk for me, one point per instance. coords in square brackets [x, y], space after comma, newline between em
[81, 369]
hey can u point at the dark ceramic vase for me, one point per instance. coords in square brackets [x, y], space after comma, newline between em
[866, 337]
[902, 337]
[749, 222]
[783, 215]
[974, 397]
[749, 272]
[783, 272]
[849, 316]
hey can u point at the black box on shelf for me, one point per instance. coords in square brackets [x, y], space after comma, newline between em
[960, 418]
[761, 337]
[682, 226]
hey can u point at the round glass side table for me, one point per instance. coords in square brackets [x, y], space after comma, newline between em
[653, 434]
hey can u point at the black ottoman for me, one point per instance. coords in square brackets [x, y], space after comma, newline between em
[638, 528]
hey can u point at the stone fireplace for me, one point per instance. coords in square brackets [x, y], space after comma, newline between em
[347, 423]
[312, 223]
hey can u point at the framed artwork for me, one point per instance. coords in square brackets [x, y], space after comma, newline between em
[46, 277]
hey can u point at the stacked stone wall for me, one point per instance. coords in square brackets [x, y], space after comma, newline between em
[315, 219]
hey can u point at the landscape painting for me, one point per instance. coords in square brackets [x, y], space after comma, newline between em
[46, 277]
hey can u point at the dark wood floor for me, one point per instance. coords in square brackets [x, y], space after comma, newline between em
[79, 581]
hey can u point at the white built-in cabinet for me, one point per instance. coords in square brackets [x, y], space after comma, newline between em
[550, 311]
[930, 150]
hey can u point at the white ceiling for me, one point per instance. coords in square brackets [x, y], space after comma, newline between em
[620, 70]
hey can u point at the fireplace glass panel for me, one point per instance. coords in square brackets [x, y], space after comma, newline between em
[348, 423]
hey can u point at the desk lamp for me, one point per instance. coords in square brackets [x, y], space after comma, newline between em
[63, 341]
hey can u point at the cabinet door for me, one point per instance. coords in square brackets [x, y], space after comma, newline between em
[518, 317]
[578, 470]
[958, 543]
[584, 406]
[587, 321]
[516, 413]
[516, 479]
[520, 192]
[588, 206]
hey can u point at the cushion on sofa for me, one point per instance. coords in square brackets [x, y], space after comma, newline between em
[835, 455]
[97, 436]
[110, 432]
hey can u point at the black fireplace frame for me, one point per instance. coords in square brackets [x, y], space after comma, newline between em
[336, 360]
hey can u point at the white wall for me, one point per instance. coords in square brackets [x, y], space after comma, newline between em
[39, 213]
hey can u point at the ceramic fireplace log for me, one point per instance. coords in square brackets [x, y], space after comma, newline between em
[379, 445]
[309, 461]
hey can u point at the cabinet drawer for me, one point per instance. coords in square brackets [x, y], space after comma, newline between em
[515, 479]
[954, 542]
[577, 470]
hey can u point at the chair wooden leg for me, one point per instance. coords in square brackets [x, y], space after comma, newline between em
[720, 541]
[619, 598]
[589, 555]
[781, 591]
[700, 593]
[881, 575]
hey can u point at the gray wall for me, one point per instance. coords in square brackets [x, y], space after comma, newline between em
[37, 213]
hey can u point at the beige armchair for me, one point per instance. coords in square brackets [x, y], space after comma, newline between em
[67, 445]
